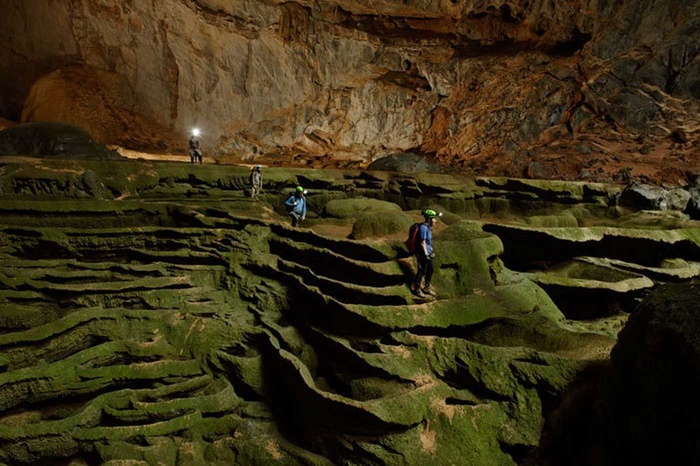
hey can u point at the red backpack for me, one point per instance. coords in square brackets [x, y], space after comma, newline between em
[412, 241]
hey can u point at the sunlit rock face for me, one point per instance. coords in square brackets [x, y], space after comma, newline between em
[472, 82]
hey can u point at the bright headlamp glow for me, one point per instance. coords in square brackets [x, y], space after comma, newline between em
[195, 131]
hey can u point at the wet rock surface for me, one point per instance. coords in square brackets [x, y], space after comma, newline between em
[180, 321]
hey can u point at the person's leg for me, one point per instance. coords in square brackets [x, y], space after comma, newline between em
[427, 289]
[295, 218]
[422, 264]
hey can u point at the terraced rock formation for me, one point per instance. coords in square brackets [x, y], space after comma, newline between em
[177, 321]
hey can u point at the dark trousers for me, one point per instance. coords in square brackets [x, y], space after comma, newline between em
[195, 155]
[295, 218]
[425, 269]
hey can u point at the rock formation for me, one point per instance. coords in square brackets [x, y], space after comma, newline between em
[52, 140]
[642, 408]
[151, 312]
[587, 88]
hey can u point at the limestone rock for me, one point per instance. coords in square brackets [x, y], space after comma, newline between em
[196, 327]
[644, 197]
[678, 199]
[404, 163]
[693, 207]
[656, 358]
[477, 84]
[587, 288]
[52, 140]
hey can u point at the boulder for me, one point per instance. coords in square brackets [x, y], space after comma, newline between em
[52, 139]
[651, 404]
[678, 198]
[644, 197]
[376, 225]
[404, 163]
[356, 207]
[642, 408]
[539, 171]
[693, 207]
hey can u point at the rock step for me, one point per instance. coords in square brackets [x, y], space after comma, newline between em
[187, 300]
[342, 414]
[316, 308]
[354, 250]
[675, 270]
[97, 287]
[139, 411]
[91, 411]
[349, 293]
[78, 374]
[527, 245]
[335, 266]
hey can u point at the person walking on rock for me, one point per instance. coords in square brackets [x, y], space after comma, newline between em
[425, 254]
[195, 147]
[296, 206]
[256, 180]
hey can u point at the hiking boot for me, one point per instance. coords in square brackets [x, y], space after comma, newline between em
[429, 291]
[417, 292]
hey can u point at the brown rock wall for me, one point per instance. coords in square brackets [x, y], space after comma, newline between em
[488, 85]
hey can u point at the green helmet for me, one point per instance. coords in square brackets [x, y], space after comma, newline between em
[300, 189]
[430, 213]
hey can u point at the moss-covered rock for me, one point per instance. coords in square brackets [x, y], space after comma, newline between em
[183, 322]
[380, 223]
[356, 207]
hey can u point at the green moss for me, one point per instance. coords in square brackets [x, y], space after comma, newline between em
[524, 298]
[552, 221]
[348, 208]
[164, 332]
[378, 224]
[462, 254]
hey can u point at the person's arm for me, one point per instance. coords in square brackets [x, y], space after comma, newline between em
[289, 202]
[424, 239]
[303, 210]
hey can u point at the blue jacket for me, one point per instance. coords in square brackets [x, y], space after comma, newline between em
[425, 234]
[296, 205]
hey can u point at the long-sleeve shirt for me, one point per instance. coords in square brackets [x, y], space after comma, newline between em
[297, 204]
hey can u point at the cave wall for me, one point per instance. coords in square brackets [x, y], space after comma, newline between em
[356, 79]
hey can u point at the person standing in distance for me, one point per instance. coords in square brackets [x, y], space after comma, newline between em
[195, 147]
[425, 255]
[296, 206]
[256, 180]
